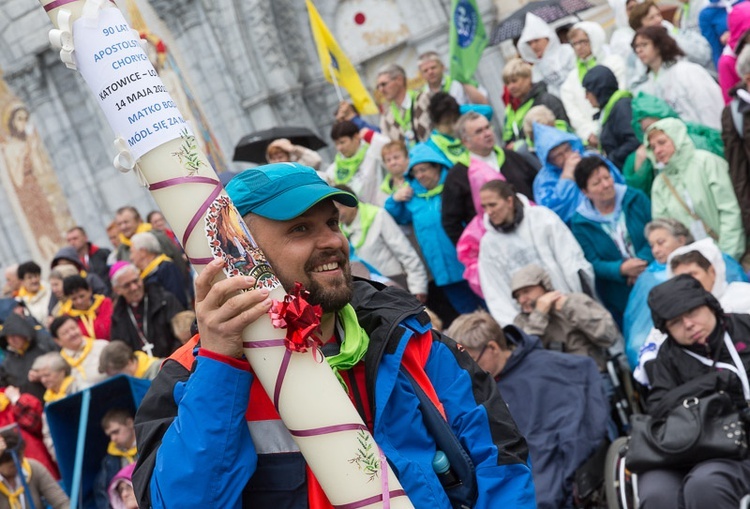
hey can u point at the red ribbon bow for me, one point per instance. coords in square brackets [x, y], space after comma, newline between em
[300, 318]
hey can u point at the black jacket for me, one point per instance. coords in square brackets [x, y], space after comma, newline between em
[675, 375]
[541, 97]
[162, 306]
[15, 367]
[737, 151]
[98, 263]
[458, 205]
[96, 283]
[617, 137]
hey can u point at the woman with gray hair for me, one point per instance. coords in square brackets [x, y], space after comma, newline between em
[55, 374]
[735, 127]
[664, 235]
[156, 267]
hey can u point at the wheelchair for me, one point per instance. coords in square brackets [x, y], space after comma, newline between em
[620, 485]
[603, 482]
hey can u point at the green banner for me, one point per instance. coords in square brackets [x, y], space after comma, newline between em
[467, 40]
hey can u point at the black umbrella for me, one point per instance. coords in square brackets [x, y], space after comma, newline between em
[549, 10]
[252, 147]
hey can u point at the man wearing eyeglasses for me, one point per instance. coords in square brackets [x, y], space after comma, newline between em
[142, 313]
[406, 116]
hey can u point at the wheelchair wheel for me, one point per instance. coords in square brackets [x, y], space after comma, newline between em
[619, 483]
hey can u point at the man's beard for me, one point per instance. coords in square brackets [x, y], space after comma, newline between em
[332, 297]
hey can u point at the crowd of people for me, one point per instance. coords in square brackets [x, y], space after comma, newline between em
[609, 220]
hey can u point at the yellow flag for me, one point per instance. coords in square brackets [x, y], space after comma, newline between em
[337, 68]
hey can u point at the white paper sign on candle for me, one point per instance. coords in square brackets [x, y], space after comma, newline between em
[134, 99]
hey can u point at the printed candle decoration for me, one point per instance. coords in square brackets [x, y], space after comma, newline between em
[155, 142]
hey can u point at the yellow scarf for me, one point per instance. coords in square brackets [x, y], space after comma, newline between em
[129, 455]
[76, 363]
[153, 264]
[86, 316]
[50, 395]
[14, 498]
[144, 362]
[143, 227]
[24, 293]
[4, 401]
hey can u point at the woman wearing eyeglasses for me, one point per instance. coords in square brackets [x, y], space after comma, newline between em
[687, 87]
[588, 41]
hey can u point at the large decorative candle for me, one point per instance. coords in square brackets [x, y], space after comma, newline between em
[155, 142]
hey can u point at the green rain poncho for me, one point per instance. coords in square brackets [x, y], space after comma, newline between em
[701, 180]
[645, 106]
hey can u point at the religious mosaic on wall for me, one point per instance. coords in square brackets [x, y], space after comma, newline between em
[29, 180]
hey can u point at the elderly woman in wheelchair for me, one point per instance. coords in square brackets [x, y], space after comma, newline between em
[690, 450]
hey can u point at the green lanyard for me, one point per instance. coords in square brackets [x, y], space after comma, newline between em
[346, 167]
[584, 66]
[367, 213]
[451, 147]
[514, 120]
[620, 94]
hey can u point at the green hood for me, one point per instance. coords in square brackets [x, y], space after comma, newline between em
[647, 105]
[684, 146]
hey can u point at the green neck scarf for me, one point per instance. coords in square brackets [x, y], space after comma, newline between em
[403, 121]
[584, 66]
[346, 167]
[451, 147]
[387, 185]
[366, 213]
[500, 154]
[354, 344]
[432, 192]
[465, 159]
[620, 94]
[514, 120]
[448, 83]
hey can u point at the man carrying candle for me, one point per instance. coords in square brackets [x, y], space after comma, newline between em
[373, 336]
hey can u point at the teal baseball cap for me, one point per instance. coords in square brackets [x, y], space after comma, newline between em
[282, 191]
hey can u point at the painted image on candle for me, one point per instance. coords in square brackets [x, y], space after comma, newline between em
[231, 241]
[134, 99]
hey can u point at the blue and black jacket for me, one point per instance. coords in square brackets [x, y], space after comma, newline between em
[197, 449]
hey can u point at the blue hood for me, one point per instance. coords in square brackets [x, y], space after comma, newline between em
[423, 153]
[587, 209]
[547, 138]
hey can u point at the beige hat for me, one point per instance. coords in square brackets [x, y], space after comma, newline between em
[276, 145]
[530, 275]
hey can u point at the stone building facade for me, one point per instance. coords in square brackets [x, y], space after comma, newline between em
[250, 65]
